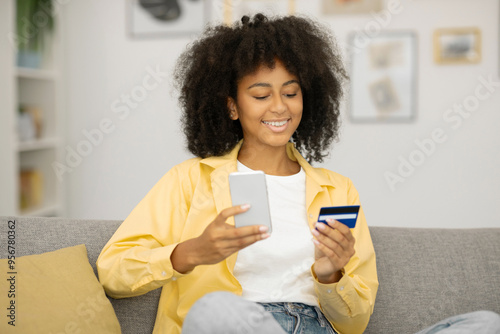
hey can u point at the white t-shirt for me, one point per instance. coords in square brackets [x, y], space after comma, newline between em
[277, 269]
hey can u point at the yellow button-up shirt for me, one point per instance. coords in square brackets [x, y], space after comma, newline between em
[183, 203]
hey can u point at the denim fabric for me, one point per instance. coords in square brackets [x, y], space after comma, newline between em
[297, 318]
[483, 322]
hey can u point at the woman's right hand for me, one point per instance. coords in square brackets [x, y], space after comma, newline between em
[217, 242]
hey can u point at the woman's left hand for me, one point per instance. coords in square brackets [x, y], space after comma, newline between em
[334, 247]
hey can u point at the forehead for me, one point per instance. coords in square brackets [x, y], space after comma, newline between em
[272, 75]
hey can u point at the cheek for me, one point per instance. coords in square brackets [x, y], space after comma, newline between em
[297, 107]
[251, 110]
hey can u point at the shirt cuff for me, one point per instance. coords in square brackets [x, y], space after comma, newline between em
[330, 294]
[161, 267]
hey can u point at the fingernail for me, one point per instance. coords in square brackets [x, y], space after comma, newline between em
[329, 220]
[320, 226]
[265, 235]
[316, 242]
[316, 233]
[263, 229]
[245, 206]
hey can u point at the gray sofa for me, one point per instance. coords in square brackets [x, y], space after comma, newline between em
[425, 275]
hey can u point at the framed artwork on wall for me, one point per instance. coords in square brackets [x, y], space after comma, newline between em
[150, 18]
[457, 46]
[383, 77]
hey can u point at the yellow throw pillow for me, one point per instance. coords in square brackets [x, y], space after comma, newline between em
[54, 293]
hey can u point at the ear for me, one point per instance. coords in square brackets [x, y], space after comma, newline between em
[231, 107]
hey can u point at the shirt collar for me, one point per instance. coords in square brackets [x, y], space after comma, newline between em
[229, 162]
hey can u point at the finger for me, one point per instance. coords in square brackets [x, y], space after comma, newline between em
[338, 231]
[333, 238]
[342, 228]
[335, 260]
[229, 212]
[327, 251]
[240, 243]
[246, 231]
[321, 233]
[338, 259]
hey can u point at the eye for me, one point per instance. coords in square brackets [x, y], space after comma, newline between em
[291, 95]
[260, 97]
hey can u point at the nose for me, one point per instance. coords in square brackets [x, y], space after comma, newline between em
[278, 106]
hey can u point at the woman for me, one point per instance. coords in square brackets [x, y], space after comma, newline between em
[261, 95]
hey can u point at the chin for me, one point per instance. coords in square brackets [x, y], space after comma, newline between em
[278, 142]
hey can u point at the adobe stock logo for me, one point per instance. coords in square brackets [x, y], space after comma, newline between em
[454, 117]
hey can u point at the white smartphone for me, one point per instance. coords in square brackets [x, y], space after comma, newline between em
[250, 188]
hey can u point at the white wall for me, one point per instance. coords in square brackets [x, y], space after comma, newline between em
[103, 65]
[456, 186]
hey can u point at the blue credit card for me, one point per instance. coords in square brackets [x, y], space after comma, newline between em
[347, 215]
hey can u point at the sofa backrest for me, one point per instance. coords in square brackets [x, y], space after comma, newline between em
[425, 275]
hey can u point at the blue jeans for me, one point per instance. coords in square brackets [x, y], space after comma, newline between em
[297, 318]
[483, 322]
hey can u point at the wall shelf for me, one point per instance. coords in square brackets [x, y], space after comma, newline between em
[38, 144]
[39, 74]
[30, 186]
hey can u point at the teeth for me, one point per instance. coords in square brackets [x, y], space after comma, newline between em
[276, 123]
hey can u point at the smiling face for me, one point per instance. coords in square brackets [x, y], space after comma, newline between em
[269, 106]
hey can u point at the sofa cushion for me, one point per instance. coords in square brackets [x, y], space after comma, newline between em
[427, 275]
[55, 292]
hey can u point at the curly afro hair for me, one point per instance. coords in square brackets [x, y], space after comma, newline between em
[209, 71]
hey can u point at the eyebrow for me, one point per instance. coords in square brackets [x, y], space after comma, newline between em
[264, 84]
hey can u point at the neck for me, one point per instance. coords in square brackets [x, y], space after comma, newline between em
[270, 160]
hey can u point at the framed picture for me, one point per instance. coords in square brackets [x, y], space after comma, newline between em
[150, 18]
[334, 7]
[232, 10]
[457, 46]
[383, 77]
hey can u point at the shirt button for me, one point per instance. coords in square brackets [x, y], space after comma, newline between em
[174, 278]
[164, 273]
[310, 215]
[341, 288]
[329, 291]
